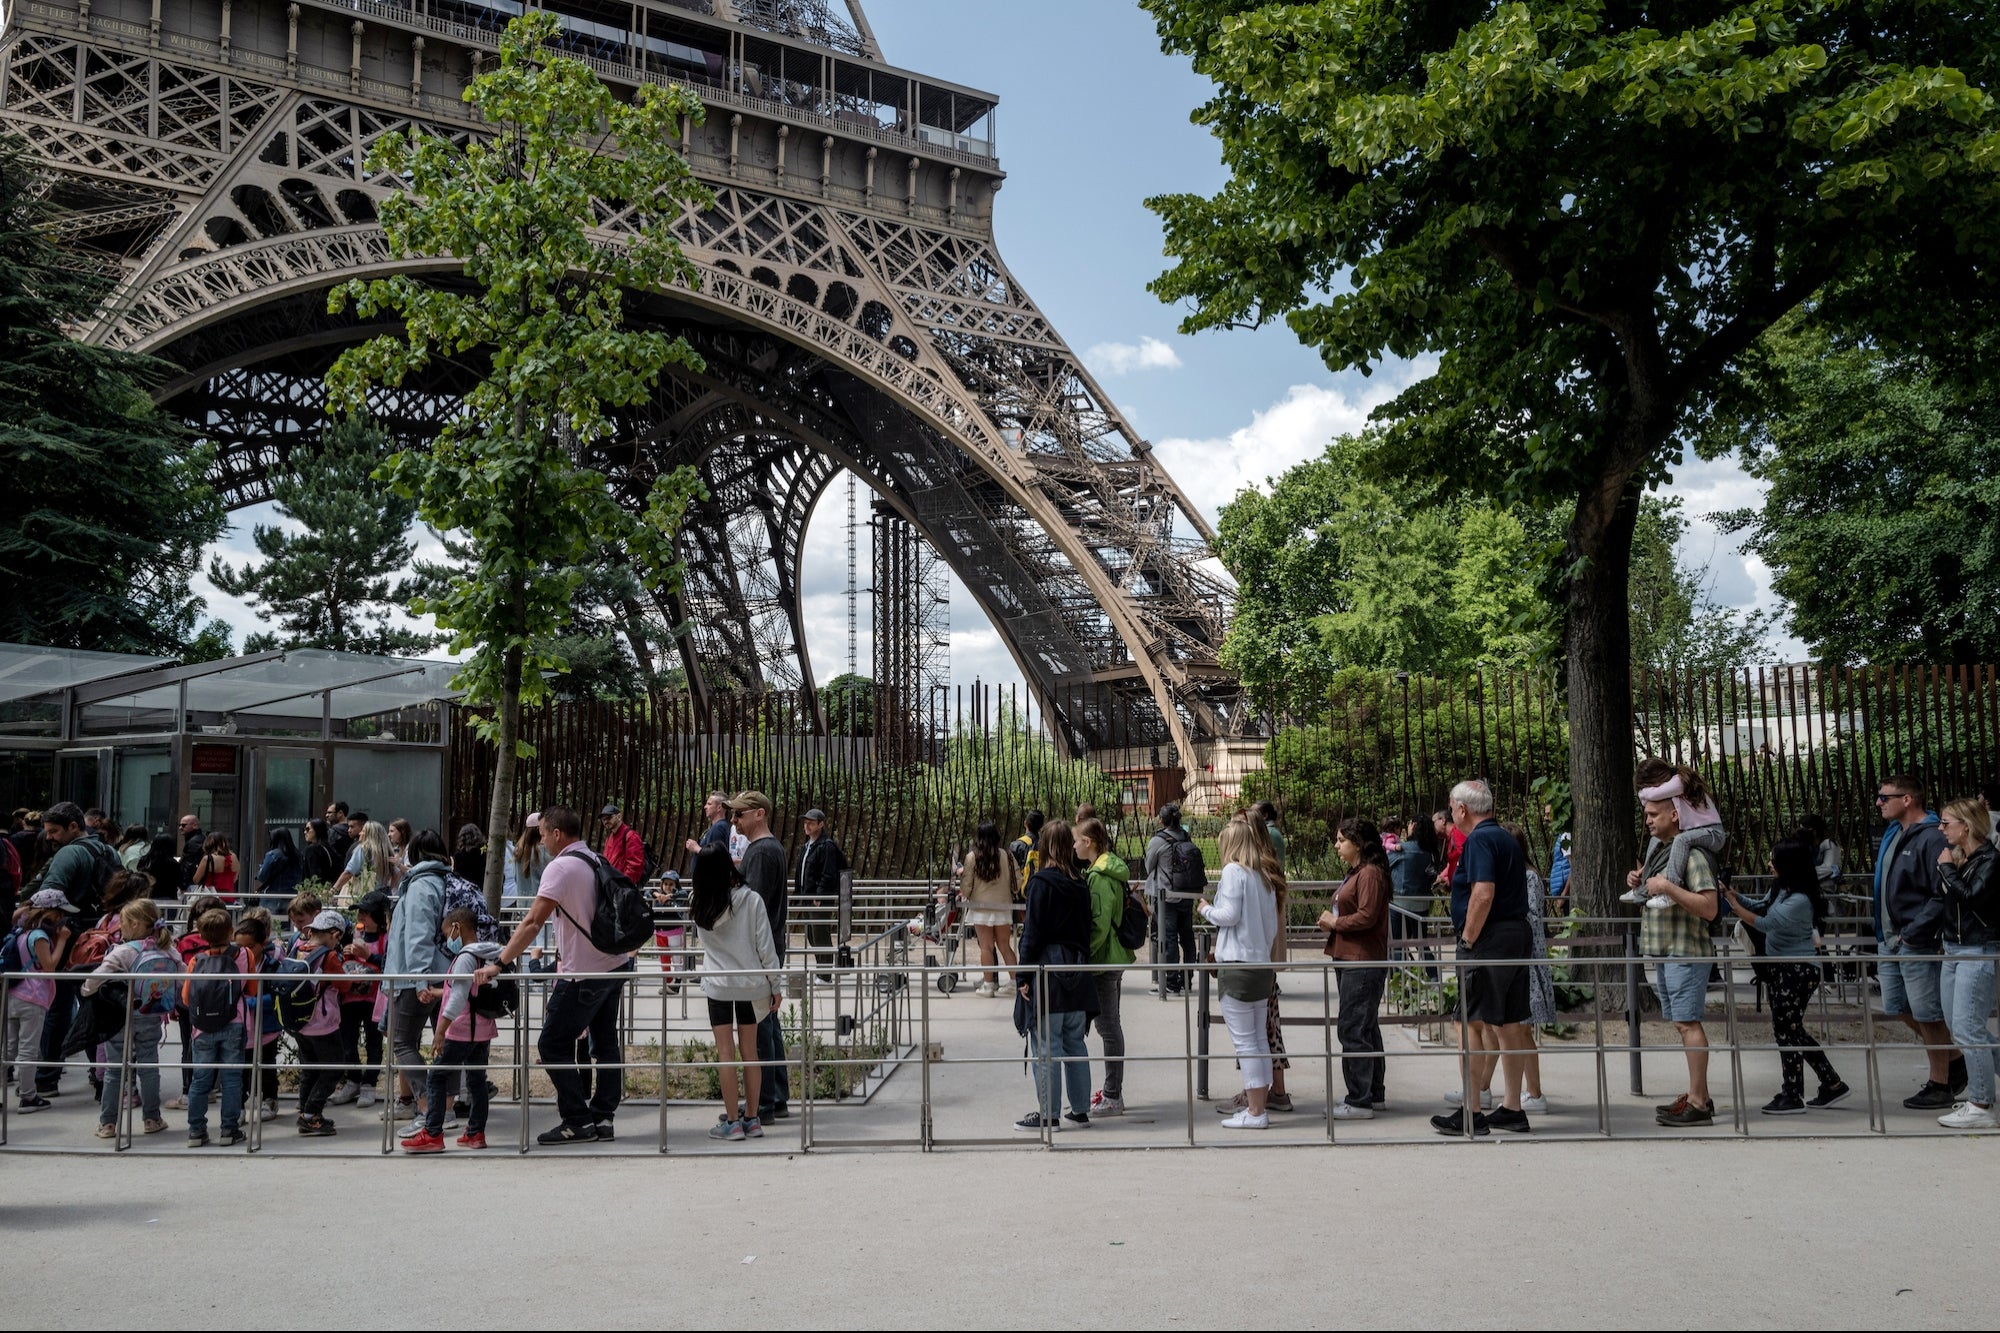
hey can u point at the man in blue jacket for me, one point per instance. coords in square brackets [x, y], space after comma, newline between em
[1908, 920]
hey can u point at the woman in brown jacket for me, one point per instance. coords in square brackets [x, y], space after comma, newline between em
[1357, 929]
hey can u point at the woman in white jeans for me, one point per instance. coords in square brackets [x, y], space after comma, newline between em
[1245, 915]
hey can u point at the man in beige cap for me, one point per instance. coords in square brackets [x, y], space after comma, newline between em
[763, 869]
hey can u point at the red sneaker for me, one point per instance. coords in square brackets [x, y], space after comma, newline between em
[474, 1141]
[424, 1142]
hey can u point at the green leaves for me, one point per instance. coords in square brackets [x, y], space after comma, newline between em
[552, 218]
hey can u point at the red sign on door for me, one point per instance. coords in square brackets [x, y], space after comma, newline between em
[215, 759]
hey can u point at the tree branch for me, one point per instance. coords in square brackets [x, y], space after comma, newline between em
[1528, 274]
[1732, 339]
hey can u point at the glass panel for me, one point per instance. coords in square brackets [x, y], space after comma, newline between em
[288, 784]
[26, 671]
[76, 779]
[142, 789]
[27, 781]
[391, 785]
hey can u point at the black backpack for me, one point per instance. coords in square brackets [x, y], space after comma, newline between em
[296, 988]
[210, 994]
[623, 920]
[1187, 872]
[460, 892]
[649, 863]
[497, 998]
[1131, 928]
[1724, 920]
[104, 864]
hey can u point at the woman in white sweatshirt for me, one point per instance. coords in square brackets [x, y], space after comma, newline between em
[1245, 915]
[735, 938]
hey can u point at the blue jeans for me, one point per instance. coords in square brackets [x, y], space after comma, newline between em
[1967, 986]
[224, 1048]
[1066, 1032]
[580, 1027]
[1910, 988]
[145, 1058]
[774, 1089]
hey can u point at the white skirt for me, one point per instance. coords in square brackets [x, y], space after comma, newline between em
[989, 916]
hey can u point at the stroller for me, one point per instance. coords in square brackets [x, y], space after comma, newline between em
[943, 925]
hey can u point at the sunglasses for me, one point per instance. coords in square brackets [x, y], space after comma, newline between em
[1884, 797]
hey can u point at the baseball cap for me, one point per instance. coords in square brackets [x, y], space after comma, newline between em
[329, 920]
[751, 800]
[535, 820]
[816, 815]
[53, 898]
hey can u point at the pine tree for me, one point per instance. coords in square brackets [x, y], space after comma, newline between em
[332, 584]
[106, 507]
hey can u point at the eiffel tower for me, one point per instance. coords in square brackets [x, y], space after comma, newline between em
[852, 309]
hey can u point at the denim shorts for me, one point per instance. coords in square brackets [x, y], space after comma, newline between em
[1910, 988]
[1682, 988]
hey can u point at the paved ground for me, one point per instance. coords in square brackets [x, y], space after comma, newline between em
[1886, 1234]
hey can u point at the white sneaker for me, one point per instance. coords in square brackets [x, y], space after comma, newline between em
[269, 1110]
[1534, 1105]
[984, 988]
[366, 1099]
[1456, 1097]
[1101, 1105]
[1969, 1115]
[1635, 896]
[344, 1093]
[1659, 900]
[1349, 1111]
[1244, 1120]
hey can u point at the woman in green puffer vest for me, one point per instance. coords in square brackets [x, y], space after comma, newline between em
[1109, 878]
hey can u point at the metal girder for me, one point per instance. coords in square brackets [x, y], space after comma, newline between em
[851, 320]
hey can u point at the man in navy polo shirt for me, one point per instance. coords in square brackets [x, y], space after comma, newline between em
[1489, 910]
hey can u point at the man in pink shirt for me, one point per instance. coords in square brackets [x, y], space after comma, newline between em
[580, 1026]
[623, 847]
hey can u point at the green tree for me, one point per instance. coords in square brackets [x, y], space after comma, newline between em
[1677, 624]
[848, 701]
[332, 583]
[1882, 522]
[1587, 213]
[106, 507]
[520, 208]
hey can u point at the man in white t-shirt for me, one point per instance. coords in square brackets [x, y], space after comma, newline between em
[580, 1026]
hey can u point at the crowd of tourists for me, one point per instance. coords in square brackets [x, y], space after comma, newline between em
[296, 953]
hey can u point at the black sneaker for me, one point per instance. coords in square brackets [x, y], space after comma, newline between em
[1453, 1125]
[1081, 1119]
[605, 1133]
[1931, 1097]
[1957, 1078]
[1785, 1103]
[197, 1140]
[562, 1134]
[316, 1128]
[229, 1138]
[782, 1111]
[1688, 1117]
[1514, 1122]
[1830, 1094]
[1031, 1123]
[461, 1108]
[30, 1105]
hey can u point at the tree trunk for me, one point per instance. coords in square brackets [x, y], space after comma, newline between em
[498, 823]
[1597, 646]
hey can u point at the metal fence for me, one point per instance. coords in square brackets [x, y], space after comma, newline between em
[873, 1020]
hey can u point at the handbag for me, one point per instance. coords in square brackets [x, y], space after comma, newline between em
[1246, 985]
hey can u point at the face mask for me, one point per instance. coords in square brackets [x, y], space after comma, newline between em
[454, 947]
[370, 935]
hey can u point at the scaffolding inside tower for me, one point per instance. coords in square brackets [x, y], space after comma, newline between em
[912, 642]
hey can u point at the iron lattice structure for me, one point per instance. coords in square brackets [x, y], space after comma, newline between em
[852, 309]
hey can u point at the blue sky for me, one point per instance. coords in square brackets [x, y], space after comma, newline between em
[1093, 119]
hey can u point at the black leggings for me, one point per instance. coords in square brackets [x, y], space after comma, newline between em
[1791, 987]
[357, 1020]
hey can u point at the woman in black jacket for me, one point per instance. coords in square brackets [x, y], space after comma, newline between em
[1971, 894]
[1056, 933]
[317, 856]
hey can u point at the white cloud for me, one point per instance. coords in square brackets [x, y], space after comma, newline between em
[1297, 427]
[1736, 578]
[1124, 358]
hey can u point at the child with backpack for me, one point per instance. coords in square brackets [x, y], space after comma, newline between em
[261, 1028]
[218, 1000]
[188, 946]
[362, 1007]
[146, 956]
[318, 1031]
[467, 1022]
[36, 943]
